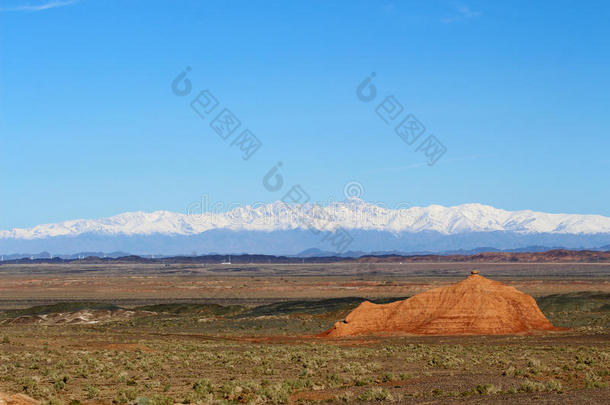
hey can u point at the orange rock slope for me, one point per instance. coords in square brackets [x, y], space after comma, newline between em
[474, 306]
[17, 399]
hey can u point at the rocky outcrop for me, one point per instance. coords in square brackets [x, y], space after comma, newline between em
[17, 399]
[474, 306]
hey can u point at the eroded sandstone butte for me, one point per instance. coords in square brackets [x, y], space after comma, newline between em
[474, 306]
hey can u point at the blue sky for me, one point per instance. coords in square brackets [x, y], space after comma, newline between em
[518, 93]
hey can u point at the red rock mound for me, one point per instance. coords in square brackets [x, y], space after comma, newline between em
[17, 399]
[475, 306]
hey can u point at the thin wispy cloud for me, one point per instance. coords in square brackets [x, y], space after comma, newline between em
[40, 6]
[425, 164]
[461, 13]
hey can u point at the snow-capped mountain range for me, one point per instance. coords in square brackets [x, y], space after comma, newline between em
[354, 215]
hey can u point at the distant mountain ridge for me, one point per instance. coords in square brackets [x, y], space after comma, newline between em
[550, 256]
[351, 214]
[277, 228]
[312, 253]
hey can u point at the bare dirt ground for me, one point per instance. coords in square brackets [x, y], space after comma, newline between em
[162, 337]
[22, 284]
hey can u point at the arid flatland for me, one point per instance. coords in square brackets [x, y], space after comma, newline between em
[141, 333]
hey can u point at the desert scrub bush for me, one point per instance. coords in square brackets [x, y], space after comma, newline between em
[125, 396]
[267, 369]
[237, 391]
[594, 381]
[497, 359]
[82, 372]
[603, 373]
[203, 387]
[535, 367]
[307, 372]
[300, 384]
[60, 384]
[487, 389]
[386, 377]
[32, 387]
[91, 392]
[511, 371]
[277, 393]
[122, 378]
[346, 396]
[376, 394]
[445, 361]
[531, 386]
[5, 340]
[362, 381]
[353, 367]
[154, 400]
[333, 380]
[467, 393]
[120, 398]
[553, 385]
[534, 363]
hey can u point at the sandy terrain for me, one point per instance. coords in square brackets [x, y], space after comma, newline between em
[149, 334]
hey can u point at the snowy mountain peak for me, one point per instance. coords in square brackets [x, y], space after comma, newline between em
[353, 213]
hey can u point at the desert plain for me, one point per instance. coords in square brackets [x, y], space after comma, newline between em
[162, 333]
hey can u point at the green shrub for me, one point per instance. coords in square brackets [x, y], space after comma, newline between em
[32, 387]
[511, 371]
[595, 381]
[362, 381]
[486, 389]
[277, 393]
[154, 400]
[446, 361]
[553, 385]
[59, 385]
[91, 392]
[376, 394]
[386, 377]
[346, 396]
[531, 386]
[203, 387]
